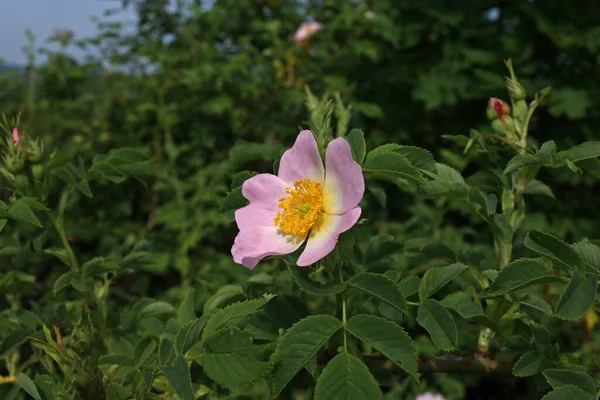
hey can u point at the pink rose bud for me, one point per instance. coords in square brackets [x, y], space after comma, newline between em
[430, 396]
[306, 30]
[497, 108]
[15, 136]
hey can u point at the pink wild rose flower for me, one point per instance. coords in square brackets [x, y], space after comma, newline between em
[306, 30]
[15, 136]
[305, 201]
[429, 396]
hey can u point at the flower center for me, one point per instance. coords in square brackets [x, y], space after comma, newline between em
[302, 209]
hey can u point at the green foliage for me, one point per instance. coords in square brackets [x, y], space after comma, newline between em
[119, 199]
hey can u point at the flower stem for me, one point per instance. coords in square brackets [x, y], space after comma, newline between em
[65, 242]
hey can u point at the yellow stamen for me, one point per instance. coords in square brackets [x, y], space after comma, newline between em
[7, 379]
[302, 209]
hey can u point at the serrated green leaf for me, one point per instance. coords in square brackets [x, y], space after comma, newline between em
[530, 364]
[558, 378]
[555, 249]
[299, 344]
[98, 266]
[568, 392]
[520, 274]
[546, 156]
[388, 338]
[63, 281]
[439, 323]
[27, 385]
[186, 311]
[233, 369]
[463, 304]
[302, 279]
[225, 293]
[391, 165]
[228, 341]
[578, 297]
[356, 138]
[232, 313]
[590, 254]
[190, 334]
[179, 378]
[21, 211]
[165, 351]
[346, 378]
[409, 286]
[436, 278]
[448, 182]
[583, 151]
[381, 288]
[534, 301]
[536, 187]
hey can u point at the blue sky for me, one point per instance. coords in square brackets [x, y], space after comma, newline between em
[42, 17]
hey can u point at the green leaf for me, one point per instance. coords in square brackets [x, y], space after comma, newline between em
[436, 278]
[27, 385]
[568, 392]
[463, 304]
[229, 341]
[536, 187]
[224, 294]
[186, 312]
[448, 182]
[546, 156]
[590, 254]
[165, 351]
[409, 285]
[536, 302]
[13, 340]
[388, 338]
[578, 297]
[520, 274]
[234, 200]
[381, 288]
[156, 308]
[302, 279]
[63, 281]
[439, 323]
[583, 151]
[529, 364]
[233, 369]
[391, 165]
[356, 138]
[179, 378]
[558, 378]
[232, 314]
[555, 249]
[190, 334]
[20, 210]
[98, 266]
[299, 344]
[346, 378]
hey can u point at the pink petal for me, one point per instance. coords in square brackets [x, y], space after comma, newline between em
[15, 136]
[264, 190]
[302, 160]
[344, 182]
[253, 215]
[257, 242]
[322, 239]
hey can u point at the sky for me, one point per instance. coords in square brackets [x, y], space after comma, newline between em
[42, 17]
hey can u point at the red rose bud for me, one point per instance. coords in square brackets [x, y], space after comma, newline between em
[497, 109]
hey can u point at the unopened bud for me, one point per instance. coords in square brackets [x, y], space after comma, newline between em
[15, 136]
[515, 90]
[520, 110]
[22, 184]
[14, 163]
[37, 170]
[35, 151]
[497, 109]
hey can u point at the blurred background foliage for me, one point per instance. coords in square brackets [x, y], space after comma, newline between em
[191, 85]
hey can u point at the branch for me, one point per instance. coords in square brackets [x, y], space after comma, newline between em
[452, 364]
